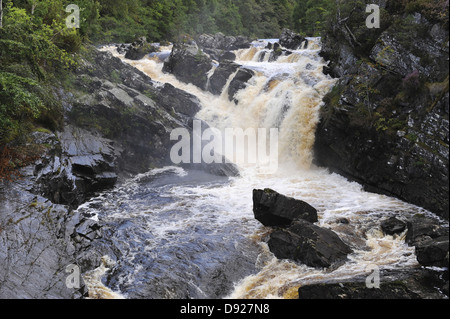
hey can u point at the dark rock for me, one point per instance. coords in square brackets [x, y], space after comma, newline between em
[220, 77]
[392, 226]
[274, 209]
[394, 141]
[222, 42]
[228, 56]
[189, 64]
[138, 49]
[309, 244]
[433, 252]
[421, 228]
[391, 290]
[239, 82]
[430, 240]
[291, 40]
[344, 221]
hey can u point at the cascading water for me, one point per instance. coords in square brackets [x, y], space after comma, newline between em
[184, 234]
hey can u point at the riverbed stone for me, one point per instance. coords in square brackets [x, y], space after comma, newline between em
[274, 209]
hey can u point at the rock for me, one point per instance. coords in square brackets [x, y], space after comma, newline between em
[433, 252]
[239, 82]
[430, 240]
[291, 40]
[189, 64]
[221, 75]
[394, 141]
[421, 228]
[222, 42]
[35, 243]
[309, 244]
[391, 290]
[138, 49]
[274, 209]
[227, 56]
[392, 226]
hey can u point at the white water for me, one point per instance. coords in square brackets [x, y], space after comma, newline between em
[286, 94]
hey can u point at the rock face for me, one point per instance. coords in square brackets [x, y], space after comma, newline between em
[309, 244]
[219, 46]
[189, 64]
[222, 42]
[385, 123]
[274, 209]
[301, 240]
[393, 290]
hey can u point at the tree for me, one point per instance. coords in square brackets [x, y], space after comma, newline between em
[1, 14]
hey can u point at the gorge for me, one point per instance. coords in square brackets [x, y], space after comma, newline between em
[372, 162]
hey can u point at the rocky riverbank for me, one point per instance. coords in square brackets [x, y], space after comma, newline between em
[117, 124]
[385, 123]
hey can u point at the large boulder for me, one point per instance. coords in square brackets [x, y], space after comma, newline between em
[385, 124]
[274, 209]
[138, 49]
[219, 41]
[309, 244]
[291, 40]
[189, 64]
[389, 290]
[430, 239]
[221, 75]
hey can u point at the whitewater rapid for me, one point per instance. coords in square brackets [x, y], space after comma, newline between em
[211, 222]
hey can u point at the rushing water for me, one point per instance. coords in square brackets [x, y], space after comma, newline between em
[188, 234]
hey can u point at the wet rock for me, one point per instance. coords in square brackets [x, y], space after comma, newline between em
[239, 82]
[421, 228]
[291, 40]
[433, 252]
[189, 64]
[430, 240]
[392, 226]
[393, 290]
[394, 141]
[139, 49]
[35, 243]
[221, 75]
[222, 42]
[274, 209]
[309, 244]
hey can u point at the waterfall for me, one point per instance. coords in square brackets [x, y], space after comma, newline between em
[184, 235]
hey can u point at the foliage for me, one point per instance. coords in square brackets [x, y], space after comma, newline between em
[35, 45]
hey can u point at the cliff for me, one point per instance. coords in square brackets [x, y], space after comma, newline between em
[385, 123]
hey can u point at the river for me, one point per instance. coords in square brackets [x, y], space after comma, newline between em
[187, 234]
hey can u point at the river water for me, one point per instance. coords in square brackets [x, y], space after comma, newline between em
[186, 234]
